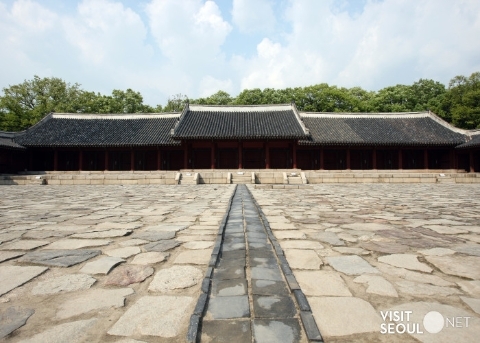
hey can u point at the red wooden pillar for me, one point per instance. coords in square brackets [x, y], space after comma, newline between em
[159, 159]
[267, 155]
[55, 160]
[132, 160]
[348, 158]
[80, 160]
[294, 155]
[400, 159]
[321, 159]
[212, 156]
[106, 160]
[374, 158]
[425, 158]
[472, 164]
[185, 155]
[240, 155]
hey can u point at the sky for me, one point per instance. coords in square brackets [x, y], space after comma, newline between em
[196, 47]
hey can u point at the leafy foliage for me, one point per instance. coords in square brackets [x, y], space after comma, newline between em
[25, 104]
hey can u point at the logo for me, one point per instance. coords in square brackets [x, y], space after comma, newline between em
[400, 322]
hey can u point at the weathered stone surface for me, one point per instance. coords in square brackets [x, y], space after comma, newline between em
[94, 299]
[377, 285]
[290, 234]
[472, 302]
[437, 252]
[322, 283]
[176, 277]
[101, 266]
[103, 234]
[154, 236]
[301, 244]
[446, 335]
[445, 230]
[64, 283]
[368, 226]
[24, 244]
[193, 257]
[59, 258]
[413, 276]
[359, 314]
[468, 249]
[273, 306]
[406, 261]
[13, 318]
[471, 287]
[15, 276]
[222, 330]
[167, 227]
[282, 226]
[152, 257]
[118, 226]
[8, 255]
[125, 252]
[127, 274]
[77, 243]
[351, 265]
[385, 247]
[277, 330]
[228, 307]
[327, 237]
[224, 288]
[132, 242]
[198, 245]
[418, 289]
[303, 259]
[162, 316]
[464, 266]
[42, 234]
[68, 332]
[162, 245]
[351, 251]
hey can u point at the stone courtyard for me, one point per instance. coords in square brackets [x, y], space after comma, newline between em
[129, 263]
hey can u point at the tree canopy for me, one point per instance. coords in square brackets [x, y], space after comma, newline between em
[25, 104]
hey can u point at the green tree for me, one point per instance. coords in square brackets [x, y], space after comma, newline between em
[219, 98]
[176, 103]
[462, 101]
[25, 104]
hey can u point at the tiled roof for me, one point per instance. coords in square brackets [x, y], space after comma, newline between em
[380, 129]
[474, 142]
[240, 122]
[89, 130]
[7, 142]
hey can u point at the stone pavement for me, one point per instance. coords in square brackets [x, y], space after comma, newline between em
[104, 264]
[360, 252]
[126, 263]
[250, 300]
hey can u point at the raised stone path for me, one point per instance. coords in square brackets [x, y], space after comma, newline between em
[130, 264]
[250, 299]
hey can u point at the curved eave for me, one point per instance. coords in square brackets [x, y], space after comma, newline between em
[409, 144]
[237, 137]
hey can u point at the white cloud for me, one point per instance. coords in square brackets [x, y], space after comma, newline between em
[210, 85]
[253, 15]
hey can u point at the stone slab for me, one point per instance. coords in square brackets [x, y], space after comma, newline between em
[222, 331]
[160, 316]
[64, 284]
[277, 330]
[124, 252]
[407, 261]
[301, 244]
[101, 266]
[377, 285]
[15, 276]
[437, 252]
[359, 314]
[229, 287]
[176, 277]
[24, 244]
[470, 287]
[59, 258]
[162, 246]
[193, 257]
[132, 242]
[103, 234]
[154, 236]
[8, 255]
[127, 274]
[322, 283]
[474, 303]
[351, 265]
[68, 244]
[273, 306]
[198, 245]
[421, 289]
[228, 307]
[464, 266]
[13, 318]
[72, 332]
[303, 259]
[414, 276]
[152, 257]
[93, 300]
[327, 237]
[269, 287]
